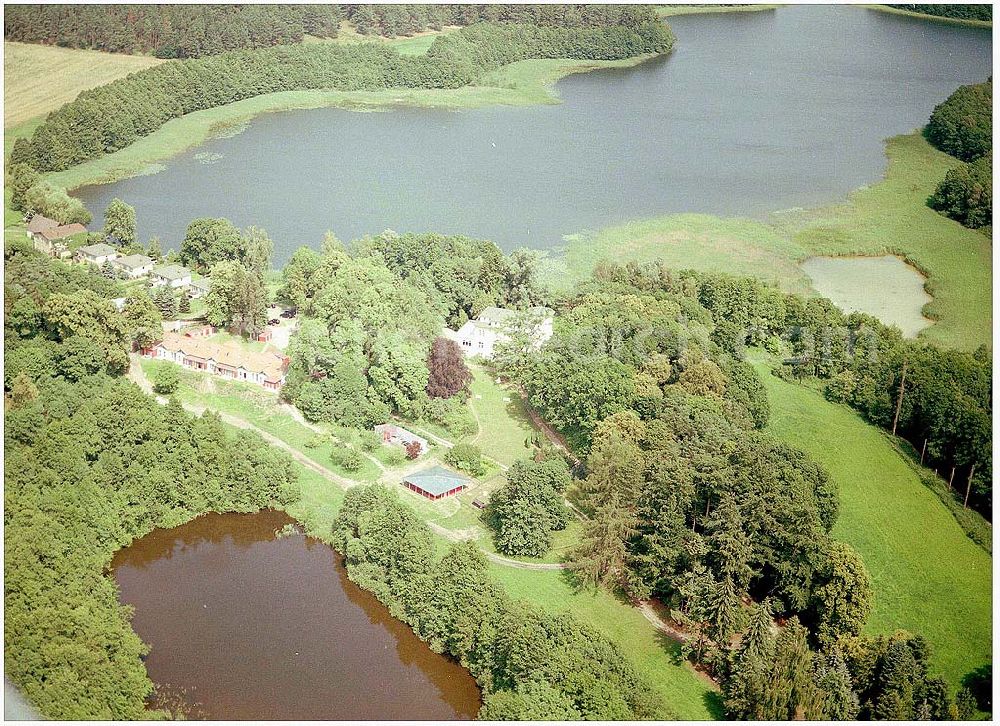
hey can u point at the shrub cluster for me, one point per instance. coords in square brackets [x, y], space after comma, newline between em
[966, 194]
[963, 124]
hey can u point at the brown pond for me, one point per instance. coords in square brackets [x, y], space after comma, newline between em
[247, 625]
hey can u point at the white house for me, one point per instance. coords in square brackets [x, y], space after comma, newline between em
[96, 254]
[134, 266]
[494, 325]
[173, 276]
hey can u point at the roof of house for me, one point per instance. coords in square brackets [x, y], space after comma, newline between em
[98, 250]
[65, 230]
[133, 261]
[39, 223]
[498, 316]
[202, 283]
[269, 362]
[495, 315]
[437, 480]
[171, 272]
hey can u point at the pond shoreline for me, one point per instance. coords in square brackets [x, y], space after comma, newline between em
[220, 575]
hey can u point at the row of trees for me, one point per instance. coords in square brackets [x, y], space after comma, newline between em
[963, 127]
[111, 117]
[170, 31]
[530, 664]
[960, 11]
[91, 463]
[393, 20]
[369, 344]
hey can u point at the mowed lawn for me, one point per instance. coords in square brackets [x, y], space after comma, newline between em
[504, 427]
[928, 577]
[685, 694]
[41, 78]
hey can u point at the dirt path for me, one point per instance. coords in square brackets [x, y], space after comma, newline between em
[138, 376]
[648, 611]
[463, 535]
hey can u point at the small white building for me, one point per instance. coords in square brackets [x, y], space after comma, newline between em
[134, 266]
[96, 254]
[494, 325]
[173, 276]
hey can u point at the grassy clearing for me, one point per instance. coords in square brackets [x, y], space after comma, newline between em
[889, 217]
[657, 658]
[686, 241]
[504, 427]
[41, 78]
[928, 577]
[416, 44]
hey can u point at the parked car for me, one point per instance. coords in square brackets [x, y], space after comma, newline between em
[274, 321]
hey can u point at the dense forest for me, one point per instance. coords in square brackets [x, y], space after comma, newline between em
[963, 126]
[690, 501]
[958, 11]
[393, 20]
[90, 464]
[169, 31]
[111, 117]
[943, 407]
[194, 31]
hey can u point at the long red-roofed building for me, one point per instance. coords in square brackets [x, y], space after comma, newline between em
[266, 368]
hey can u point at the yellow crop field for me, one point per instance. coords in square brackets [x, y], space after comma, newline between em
[41, 78]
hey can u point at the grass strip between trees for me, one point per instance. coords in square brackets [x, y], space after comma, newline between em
[927, 576]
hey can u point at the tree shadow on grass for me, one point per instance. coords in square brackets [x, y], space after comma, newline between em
[715, 705]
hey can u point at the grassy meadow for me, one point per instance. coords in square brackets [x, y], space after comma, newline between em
[931, 18]
[888, 217]
[41, 78]
[669, 11]
[927, 576]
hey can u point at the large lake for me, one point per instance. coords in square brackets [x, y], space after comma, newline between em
[244, 625]
[752, 113]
